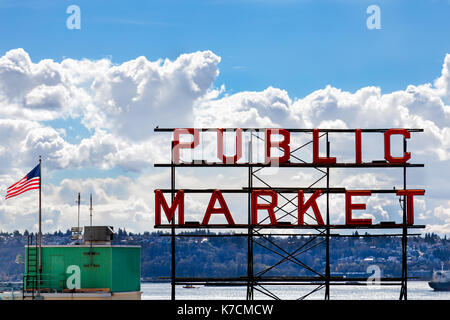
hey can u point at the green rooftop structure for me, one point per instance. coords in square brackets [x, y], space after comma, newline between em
[93, 269]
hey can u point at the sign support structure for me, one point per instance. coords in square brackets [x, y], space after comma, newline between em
[260, 235]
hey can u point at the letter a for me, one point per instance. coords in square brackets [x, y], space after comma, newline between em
[74, 280]
[74, 20]
[217, 195]
[374, 21]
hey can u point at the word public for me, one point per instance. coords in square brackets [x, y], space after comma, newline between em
[218, 206]
[283, 145]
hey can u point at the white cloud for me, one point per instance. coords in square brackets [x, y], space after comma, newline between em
[443, 213]
[47, 97]
[268, 108]
[34, 91]
[438, 228]
[120, 104]
[137, 95]
[443, 82]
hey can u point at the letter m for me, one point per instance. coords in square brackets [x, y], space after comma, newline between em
[178, 202]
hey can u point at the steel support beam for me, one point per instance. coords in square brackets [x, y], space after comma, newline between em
[255, 281]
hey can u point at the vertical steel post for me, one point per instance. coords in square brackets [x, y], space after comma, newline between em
[173, 263]
[404, 288]
[327, 263]
[250, 228]
[40, 227]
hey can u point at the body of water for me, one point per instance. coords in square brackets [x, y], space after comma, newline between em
[417, 290]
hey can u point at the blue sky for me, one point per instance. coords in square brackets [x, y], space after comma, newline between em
[299, 46]
[223, 63]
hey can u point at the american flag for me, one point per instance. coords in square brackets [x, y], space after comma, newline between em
[29, 182]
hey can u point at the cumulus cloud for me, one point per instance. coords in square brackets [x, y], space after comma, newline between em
[23, 141]
[268, 108]
[114, 204]
[120, 104]
[137, 95]
[443, 82]
[443, 213]
[32, 91]
[47, 97]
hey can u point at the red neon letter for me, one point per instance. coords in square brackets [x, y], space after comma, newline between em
[217, 195]
[410, 201]
[266, 206]
[349, 206]
[177, 145]
[358, 157]
[303, 207]
[316, 158]
[387, 146]
[238, 155]
[178, 201]
[278, 144]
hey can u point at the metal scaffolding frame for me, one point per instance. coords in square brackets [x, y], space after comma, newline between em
[256, 281]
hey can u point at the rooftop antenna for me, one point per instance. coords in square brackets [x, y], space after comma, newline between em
[90, 244]
[76, 231]
[79, 201]
[90, 211]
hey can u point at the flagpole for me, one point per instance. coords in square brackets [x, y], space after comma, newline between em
[40, 217]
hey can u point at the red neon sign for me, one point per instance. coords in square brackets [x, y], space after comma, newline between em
[279, 144]
[217, 205]
[220, 155]
[349, 206]
[311, 202]
[269, 207]
[284, 145]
